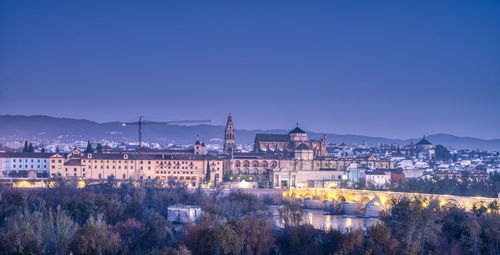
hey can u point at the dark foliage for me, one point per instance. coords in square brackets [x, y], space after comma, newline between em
[125, 219]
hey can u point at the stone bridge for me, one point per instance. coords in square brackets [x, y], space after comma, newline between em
[362, 197]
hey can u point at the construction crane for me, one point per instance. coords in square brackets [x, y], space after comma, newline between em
[141, 122]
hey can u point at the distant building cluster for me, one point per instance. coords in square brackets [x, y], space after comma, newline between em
[191, 168]
[275, 161]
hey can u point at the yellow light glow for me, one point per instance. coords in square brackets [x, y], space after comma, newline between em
[244, 185]
[80, 184]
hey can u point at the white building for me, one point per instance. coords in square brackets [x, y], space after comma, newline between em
[378, 179]
[405, 164]
[282, 179]
[355, 173]
[24, 165]
[183, 213]
[413, 173]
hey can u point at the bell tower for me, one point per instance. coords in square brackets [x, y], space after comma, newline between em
[229, 136]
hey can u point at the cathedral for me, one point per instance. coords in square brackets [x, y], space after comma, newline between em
[293, 152]
[296, 142]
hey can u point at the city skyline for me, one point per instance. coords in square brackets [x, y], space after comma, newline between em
[394, 70]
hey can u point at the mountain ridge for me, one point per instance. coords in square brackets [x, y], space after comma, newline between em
[47, 128]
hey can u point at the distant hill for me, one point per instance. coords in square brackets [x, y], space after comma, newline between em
[49, 129]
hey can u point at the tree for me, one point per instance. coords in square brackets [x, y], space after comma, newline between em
[413, 222]
[380, 241]
[256, 234]
[303, 239]
[95, 237]
[99, 148]
[203, 238]
[132, 233]
[291, 214]
[42, 150]
[22, 234]
[207, 177]
[59, 232]
[30, 148]
[25, 149]
[89, 148]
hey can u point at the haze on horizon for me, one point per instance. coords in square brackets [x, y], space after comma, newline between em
[388, 68]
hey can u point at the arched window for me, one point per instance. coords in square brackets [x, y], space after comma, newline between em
[274, 164]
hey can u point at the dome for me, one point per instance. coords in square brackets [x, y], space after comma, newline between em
[424, 142]
[197, 142]
[297, 130]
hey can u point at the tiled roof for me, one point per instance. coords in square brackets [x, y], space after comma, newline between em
[25, 155]
[297, 130]
[424, 142]
[272, 138]
[73, 162]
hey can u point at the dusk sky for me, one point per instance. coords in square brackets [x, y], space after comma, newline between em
[397, 69]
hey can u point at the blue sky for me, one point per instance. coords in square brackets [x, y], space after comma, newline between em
[383, 68]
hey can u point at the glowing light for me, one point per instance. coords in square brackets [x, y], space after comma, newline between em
[244, 185]
[23, 184]
[80, 184]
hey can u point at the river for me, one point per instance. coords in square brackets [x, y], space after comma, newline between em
[320, 220]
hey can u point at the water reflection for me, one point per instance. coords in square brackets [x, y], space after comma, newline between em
[321, 221]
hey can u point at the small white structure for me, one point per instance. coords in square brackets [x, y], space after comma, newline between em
[413, 173]
[183, 213]
[377, 178]
[325, 178]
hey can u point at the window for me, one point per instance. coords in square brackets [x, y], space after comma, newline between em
[124, 176]
[100, 176]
